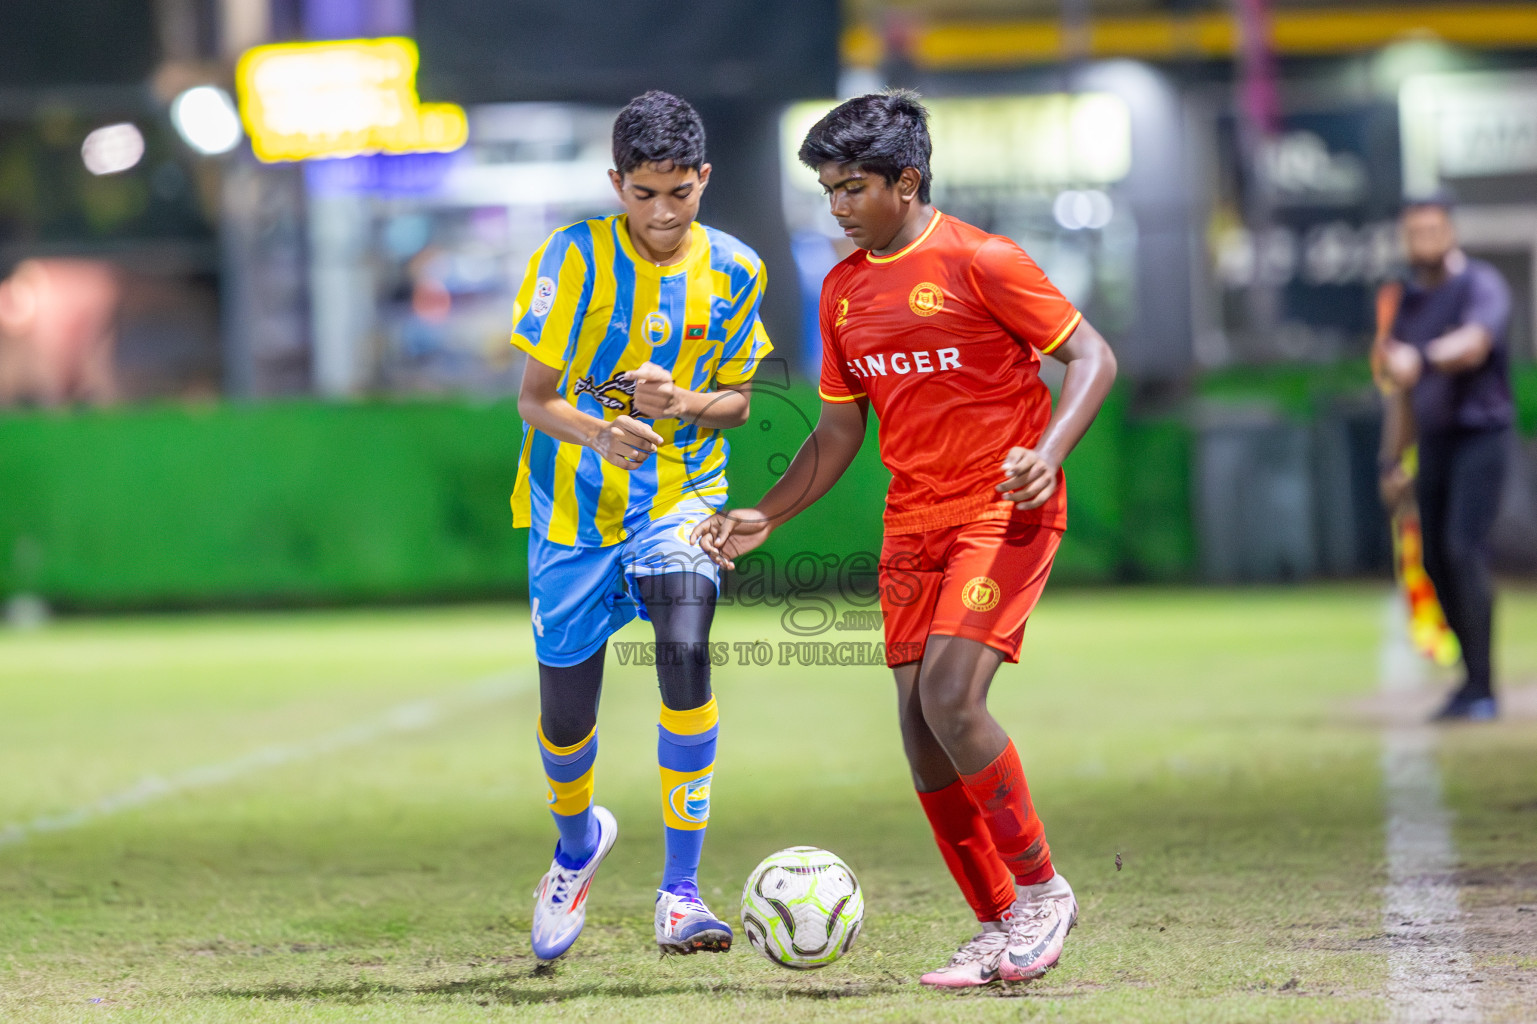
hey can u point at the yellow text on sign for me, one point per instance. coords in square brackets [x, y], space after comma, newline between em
[302, 101]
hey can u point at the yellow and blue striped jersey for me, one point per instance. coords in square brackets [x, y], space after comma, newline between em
[593, 309]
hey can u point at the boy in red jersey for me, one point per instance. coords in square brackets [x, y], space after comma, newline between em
[939, 327]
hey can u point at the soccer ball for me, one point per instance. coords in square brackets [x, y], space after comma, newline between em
[802, 908]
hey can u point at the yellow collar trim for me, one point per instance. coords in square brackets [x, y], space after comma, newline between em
[910, 246]
[697, 244]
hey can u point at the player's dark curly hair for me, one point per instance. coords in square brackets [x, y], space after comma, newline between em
[882, 132]
[658, 128]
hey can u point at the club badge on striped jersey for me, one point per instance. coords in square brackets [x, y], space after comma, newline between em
[656, 327]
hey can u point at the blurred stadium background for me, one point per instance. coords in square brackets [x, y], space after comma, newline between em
[255, 290]
[230, 379]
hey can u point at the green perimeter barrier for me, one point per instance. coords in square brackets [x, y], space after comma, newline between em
[1523, 382]
[1301, 391]
[261, 503]
[294, 502]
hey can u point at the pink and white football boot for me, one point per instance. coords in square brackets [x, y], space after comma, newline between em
[1042, 917]
[974, 964]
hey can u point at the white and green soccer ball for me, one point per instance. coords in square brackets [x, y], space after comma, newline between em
[802, 908]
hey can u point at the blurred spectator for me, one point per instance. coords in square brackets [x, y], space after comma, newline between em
[1448, 355]
[58, 330]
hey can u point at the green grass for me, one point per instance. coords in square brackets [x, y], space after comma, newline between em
[1197, 735]
[1490, 775]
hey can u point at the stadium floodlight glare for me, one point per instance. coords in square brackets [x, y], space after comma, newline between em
[112, 149]
[205, 118]
[1001, 142]
[1075, 210]
[1100, 209]
[303, 101]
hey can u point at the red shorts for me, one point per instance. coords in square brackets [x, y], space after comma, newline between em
[978, 580]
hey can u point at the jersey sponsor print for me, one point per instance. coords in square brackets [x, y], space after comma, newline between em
[591, 308]
[944, 337]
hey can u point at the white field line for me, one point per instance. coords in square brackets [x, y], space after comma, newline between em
[411, 717]
[1428, 963]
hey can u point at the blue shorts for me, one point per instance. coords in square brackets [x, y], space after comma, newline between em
[579, 597]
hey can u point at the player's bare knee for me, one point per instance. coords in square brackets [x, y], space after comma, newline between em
[951, 711]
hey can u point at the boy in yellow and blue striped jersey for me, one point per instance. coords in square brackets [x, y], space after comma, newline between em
[642, 335]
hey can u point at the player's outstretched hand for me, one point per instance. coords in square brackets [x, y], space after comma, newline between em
[625, 442]
[727, 536]
[656, 396]
[1403, 364]
[1396, 489]
[1029, 478]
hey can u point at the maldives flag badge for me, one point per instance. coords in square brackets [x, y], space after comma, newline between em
[695, 332]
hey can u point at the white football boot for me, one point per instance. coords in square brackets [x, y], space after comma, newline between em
[560, 901]
[975, 963]
[685, 925]
[1042, 917]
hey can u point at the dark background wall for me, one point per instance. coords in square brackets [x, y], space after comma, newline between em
[737, 63]
[81, 42]
[601, 52]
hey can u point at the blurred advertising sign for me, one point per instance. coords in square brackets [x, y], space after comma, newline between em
[1331, 235]
[1476, 125]
[1048, 140]
[1042, 141]
[305, 101]
[1304, 171]
[599, 51]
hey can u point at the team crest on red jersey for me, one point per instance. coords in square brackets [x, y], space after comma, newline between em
[843, 313]
[926, 299]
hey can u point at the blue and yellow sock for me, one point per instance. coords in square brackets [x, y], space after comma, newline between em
[569, 773]
[685, 751]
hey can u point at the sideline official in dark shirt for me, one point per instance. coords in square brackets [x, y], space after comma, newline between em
[1448, 352]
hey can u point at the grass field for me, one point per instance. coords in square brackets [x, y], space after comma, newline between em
[339, 816]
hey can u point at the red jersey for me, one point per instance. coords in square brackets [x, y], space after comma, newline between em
[943, 337]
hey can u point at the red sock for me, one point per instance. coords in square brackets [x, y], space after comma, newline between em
[1018, 835]
[967, 847]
